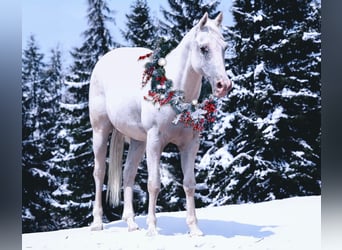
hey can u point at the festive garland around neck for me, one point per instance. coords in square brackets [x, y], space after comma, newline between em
[199, 116]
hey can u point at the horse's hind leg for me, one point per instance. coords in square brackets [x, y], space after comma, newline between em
[100, 139]
[135, 153]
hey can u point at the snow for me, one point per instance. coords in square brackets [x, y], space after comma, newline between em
[76, 84]
[292, 223]
[41, 173]
[259, 69]
[272, 27]
[256, 37]
[62, 190]
[27, 215]
[223, 156]
[276, 115]
[257, 18]
[224, 124]
[315, 36]
[73, 107]
[271, 119]
[286, 92]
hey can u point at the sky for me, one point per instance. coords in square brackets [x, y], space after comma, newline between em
[61, 22]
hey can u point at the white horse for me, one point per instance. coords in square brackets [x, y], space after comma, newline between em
[116, 105]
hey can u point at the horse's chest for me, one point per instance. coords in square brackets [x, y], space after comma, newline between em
[162, 119]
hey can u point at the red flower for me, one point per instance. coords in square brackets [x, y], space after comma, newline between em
[147, 75]
[144, 56]
[210, 107]
[167, 99]
[161, 79]
[151, 93]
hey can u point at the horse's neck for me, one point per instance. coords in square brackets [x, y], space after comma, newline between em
[180, 71]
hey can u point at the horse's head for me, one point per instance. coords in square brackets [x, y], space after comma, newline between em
[207, 54]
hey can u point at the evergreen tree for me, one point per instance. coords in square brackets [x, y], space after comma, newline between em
[74, 160]
[74, 198]
[182, 16]
[267, 143]
[55, 78]
[140, 29]
[37, 141]
[97, 40]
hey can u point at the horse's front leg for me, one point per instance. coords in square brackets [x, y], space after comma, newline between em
[188, 153]
[154, 147]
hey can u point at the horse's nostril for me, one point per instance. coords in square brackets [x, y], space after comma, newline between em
[219, 85]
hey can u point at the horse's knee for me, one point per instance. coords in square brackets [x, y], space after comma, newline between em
[129, 174]
[153, 187]
[98, 172]
[189, 185]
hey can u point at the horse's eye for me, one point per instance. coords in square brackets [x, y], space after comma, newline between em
[204, 49]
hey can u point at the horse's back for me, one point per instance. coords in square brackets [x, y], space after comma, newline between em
[120, 68]
[115, 90]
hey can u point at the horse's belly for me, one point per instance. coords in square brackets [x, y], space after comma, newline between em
[125, 115]
[119, 73]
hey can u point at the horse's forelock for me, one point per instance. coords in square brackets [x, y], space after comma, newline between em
[213, 30]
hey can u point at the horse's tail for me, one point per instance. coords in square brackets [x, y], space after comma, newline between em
[115, 167]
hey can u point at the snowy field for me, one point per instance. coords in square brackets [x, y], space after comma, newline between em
[293, 223]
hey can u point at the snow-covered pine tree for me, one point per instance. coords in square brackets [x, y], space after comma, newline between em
[52, 87]
[140, 30]
[76, 193]
[55, 77]
[182, 16]
[97, 40]
[267, 143]
[38, 116]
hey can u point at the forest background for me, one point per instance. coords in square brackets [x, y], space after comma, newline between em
[264, 145]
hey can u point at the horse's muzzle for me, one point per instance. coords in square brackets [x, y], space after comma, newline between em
[223, 87]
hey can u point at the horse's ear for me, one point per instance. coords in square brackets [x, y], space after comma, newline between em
[203, 20]
[218, 19]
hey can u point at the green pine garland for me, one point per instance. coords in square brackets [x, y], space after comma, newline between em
[199, 116]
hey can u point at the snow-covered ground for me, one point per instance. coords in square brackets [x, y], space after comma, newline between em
[293, 223]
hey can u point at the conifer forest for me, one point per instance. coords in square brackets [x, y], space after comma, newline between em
[264, 144]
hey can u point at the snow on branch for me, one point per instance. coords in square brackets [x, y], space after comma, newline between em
[76, 84]
[314, 36]
[73, 106]
[42, 174]
[257, 17]
[288, 93]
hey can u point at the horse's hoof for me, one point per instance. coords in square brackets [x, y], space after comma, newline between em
[196, 232]
[96, 227]
[132, 228]
[152, 232]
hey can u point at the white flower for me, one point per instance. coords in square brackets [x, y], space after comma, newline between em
[197, 114]
[194, 102]
[162, 62]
